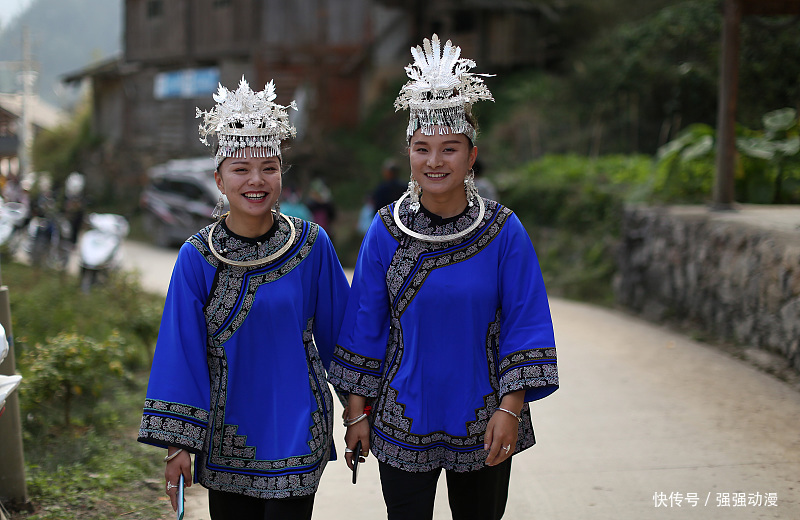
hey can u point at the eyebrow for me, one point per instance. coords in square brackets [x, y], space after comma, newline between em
[244, 161]
[451, 141]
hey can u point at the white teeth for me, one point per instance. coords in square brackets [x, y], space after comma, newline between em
[436, 175]
[254, 197]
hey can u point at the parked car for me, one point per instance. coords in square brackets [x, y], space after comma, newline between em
[178, 199]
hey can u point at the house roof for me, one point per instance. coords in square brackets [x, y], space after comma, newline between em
[113, 66]
[41, 114]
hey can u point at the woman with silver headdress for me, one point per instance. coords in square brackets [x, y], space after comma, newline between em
[447, 335]
[250, 322]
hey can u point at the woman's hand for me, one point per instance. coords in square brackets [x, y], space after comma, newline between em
[357, 432]
[180, 465]
[502, 431]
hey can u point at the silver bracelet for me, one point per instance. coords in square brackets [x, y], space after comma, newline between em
[517, 417]
[358, 419]
[170, 457]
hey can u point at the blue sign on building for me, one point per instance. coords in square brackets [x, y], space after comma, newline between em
[186, 83]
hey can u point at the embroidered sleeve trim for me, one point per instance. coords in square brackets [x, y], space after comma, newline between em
[173, 424]
[532, 368]
[355, 373]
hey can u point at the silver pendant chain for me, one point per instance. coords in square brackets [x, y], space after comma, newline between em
[431, 238]
[252, 263]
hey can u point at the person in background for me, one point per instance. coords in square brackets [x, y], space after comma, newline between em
[485, 187]
[292, 204]
[365, 215]
[447, 335]
[320, 203]
[250, 322]
[73, 207]
[390, 188]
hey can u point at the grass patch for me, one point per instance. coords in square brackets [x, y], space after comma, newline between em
[91, 467]
[95, 470]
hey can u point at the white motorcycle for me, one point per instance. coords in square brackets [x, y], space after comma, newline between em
[100, 247]
[12, 225]
[7, 383]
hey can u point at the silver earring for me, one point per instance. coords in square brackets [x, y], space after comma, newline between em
[415, 191]
[217, 213]
[469, 187]
[277, 208]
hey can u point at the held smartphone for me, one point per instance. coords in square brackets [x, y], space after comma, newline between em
[180, 497]
[356, 459]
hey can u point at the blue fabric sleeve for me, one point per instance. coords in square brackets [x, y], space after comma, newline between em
[178, 395]
[359, 356]
[331, 298]
[527, 349]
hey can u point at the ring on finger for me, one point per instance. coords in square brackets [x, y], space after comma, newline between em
[170, 485]
[348, 450]
[507, 448]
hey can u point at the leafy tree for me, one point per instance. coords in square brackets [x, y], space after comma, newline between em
[59, 151]
[768, 168]
[635, 85]
[656, 75]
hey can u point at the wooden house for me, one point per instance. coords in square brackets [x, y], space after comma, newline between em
[333, 56]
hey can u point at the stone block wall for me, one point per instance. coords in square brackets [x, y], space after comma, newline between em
[735, 274]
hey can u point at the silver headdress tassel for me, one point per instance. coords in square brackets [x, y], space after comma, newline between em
[246, 119]
[441, 89]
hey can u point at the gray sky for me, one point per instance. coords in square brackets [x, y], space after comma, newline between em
[11, 8]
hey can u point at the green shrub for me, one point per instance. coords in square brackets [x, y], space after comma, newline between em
[72, 346]
[68, 367]
[44, 304]
[572, 208]
[572, 192]
[685, 169]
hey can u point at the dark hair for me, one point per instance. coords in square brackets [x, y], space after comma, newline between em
[472, 120]
[390, 165]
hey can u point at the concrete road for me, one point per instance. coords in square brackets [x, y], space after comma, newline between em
[647, 424]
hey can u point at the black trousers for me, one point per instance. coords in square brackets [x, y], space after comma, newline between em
[474, 495]
[232, 506]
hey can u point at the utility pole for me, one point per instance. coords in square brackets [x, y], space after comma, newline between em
[726, 111]
[27, 77]
[12, 469]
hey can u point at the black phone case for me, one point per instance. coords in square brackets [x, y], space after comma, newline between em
[356, 458]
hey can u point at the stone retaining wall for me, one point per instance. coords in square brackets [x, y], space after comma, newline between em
[734, 274]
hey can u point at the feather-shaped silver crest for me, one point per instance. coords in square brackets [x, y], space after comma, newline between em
[440, 88]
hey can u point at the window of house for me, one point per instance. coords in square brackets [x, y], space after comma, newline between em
[155, 8]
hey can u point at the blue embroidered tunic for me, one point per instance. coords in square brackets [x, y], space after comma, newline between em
[239, 373]
[436, 334]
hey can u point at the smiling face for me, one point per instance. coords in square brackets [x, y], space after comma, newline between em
[252, 186]
[439, 163]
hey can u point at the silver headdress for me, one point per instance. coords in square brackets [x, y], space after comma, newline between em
[246, 119]
[441, 89]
